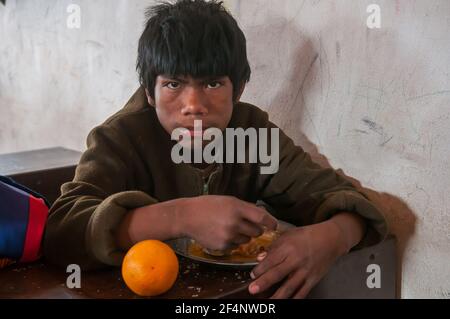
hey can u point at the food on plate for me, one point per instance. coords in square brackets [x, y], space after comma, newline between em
[248, 250]
[257, 245]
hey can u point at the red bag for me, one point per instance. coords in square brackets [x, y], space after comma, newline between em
[23, 215]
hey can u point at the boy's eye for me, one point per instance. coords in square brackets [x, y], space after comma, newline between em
[214, 85]
[173, 85]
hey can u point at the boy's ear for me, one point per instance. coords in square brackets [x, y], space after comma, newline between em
[150, 100]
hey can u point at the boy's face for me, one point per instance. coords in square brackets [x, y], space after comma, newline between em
[180, 100]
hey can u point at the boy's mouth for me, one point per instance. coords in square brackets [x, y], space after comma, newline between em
[194, 133]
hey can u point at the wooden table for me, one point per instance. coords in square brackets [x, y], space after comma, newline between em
[346, 279]
[39, 280]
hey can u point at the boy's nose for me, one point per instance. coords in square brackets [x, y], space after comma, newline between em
[194, 102]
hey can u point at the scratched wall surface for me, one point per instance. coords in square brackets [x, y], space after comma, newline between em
[56, 83]
[374, 103]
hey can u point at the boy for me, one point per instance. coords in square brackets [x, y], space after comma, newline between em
[192, 65]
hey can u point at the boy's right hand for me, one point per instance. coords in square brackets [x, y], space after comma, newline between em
[223, 222]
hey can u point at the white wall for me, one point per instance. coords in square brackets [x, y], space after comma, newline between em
[56, 83]
[372, 102]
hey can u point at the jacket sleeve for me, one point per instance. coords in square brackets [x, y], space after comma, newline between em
[302, 192]
[83, 220]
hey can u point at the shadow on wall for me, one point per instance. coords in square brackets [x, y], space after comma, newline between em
[290, 100]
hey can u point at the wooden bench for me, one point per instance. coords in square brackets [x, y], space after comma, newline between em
[43, 171]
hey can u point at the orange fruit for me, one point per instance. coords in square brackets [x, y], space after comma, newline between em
[150, 268]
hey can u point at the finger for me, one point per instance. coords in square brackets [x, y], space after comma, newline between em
[259, 216]
[261, 256]
[291, 285]
[303, 292]
[270, 222]
[248, 229]
[240, 239]
[269, 278]
[272, 259]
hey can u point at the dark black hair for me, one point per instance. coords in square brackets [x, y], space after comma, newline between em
[192, 37]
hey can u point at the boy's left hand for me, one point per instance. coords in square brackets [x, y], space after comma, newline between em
[300, 257]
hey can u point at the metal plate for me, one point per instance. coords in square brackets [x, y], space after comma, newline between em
[181, 247]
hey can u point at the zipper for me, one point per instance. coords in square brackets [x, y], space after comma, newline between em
[207, 182]
[205, 187]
